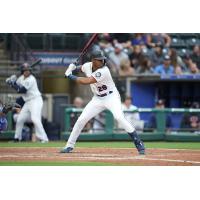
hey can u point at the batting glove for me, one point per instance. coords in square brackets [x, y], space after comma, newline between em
[12, 79]
[72, 66]
[8, 81]
[68, 72]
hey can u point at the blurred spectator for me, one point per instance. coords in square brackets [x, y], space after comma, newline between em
[99, 123]
[191, 121]
[158, 39]
[3, 120]
[190, 66]
[106, 37]
[131, 114]
[152, 123]
[196, 55]
[116, 57]
[136, 56]
[139, 39]
[125, 68]
[79, 104]
[120, 37]
[193, 69]
[105, 42]
[157, 56]
[144, 67]
[176, 61]
[165, 68]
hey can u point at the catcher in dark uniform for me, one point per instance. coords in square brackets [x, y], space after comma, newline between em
[4, 109]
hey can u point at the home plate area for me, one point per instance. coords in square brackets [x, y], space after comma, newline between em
[114, 156]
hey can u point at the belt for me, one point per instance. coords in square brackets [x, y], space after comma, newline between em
[105, 94]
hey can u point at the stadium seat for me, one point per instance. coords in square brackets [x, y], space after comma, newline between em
[187, 35]
[192, 42]
[181, 52]
[178, 43]
[173, 35]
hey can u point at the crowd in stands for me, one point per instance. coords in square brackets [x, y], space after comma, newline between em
[131, 54]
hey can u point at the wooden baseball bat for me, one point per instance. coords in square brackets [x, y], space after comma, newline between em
[86, 47]
[36, 63]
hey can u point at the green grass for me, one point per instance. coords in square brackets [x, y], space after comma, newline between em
[167, 145]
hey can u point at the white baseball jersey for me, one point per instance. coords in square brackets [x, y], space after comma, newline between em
[30, 84]
[32, 109]
[110, 100]
[103, 77]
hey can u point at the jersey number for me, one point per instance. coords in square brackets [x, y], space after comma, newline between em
[102, 88]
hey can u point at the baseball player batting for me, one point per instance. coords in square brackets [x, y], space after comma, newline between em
[106, 96]
[26, 85]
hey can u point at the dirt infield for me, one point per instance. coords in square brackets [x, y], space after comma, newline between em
[114, 156]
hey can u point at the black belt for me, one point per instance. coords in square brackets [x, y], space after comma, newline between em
[105, 94]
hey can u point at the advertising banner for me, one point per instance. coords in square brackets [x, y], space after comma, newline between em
[56, 59]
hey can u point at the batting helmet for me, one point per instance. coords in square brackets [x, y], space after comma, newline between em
[98, 55]
[25, 67]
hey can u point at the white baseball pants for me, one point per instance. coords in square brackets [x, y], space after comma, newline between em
[111, 102]
[31, 110]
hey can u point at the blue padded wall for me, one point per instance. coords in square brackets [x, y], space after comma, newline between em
[143, 94]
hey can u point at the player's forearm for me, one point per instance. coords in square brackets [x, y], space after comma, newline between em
[83, 80]
[18, 88]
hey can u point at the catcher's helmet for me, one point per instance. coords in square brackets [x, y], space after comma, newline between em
[98, 55]
[25, 67]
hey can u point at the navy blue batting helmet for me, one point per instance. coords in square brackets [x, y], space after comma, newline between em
[25, 67]
[98, 55]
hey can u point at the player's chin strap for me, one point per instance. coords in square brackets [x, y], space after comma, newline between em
[104, 62]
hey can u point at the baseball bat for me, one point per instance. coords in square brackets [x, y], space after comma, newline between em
[32, 65]
[86, 47]
[35, 63]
